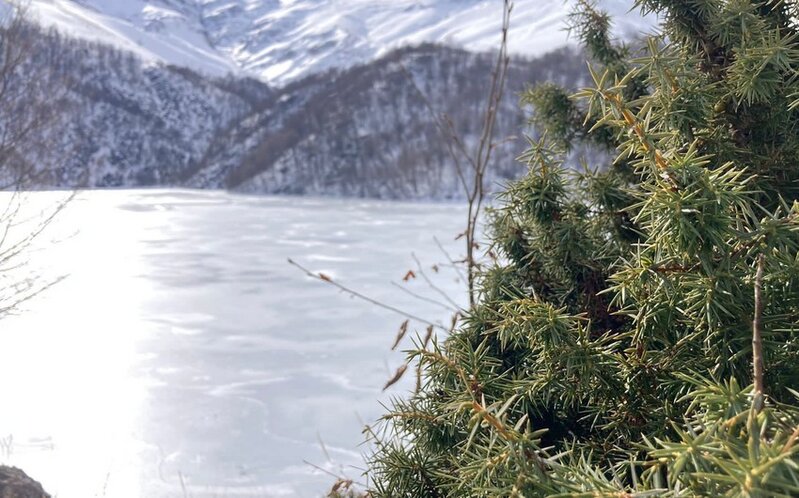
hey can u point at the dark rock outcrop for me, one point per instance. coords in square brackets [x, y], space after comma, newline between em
[14, 483]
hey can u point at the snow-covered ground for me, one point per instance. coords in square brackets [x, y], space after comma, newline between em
[183, 356]
[282, 40]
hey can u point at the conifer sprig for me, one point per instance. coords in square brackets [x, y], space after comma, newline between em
[637, 334]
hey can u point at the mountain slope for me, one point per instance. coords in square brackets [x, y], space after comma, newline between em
[367, 131]
[364, 131]
[283, 40]
[121, 122]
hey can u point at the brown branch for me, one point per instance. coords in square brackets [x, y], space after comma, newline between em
[494, 421]
[757, 341]
[483, 154]
[675, 268]
[791, 441]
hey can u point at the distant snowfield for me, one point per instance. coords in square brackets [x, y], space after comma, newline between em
[282, 40]
[182, 351]
[127, 25]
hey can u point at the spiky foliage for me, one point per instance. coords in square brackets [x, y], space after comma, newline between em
[610, 349]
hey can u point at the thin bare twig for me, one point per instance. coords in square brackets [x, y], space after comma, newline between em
[423, 298]
[485, 149]
[351, 292]
[480, 159]
[421, 272]
[449, 258]
[331, 474]
[183, 485]
[458, 141]
[440, 126]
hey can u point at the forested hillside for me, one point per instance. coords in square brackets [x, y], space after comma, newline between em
[366, 131]
[121, 122]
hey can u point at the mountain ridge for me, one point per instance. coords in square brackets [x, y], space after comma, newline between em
[279, 41]
[363, 129]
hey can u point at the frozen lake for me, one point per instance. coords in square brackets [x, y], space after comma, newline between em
[183, 356]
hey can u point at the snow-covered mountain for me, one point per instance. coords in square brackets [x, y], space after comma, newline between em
[282, 40]
[112, 121]
[178, 93]
[364, 131]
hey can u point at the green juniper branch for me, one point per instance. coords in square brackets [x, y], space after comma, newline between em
[616, 349]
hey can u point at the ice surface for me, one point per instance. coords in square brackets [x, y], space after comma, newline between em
[183, 350]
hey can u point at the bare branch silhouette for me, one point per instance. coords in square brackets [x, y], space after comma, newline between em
[479, 160]
[324, 278]
[424, 298]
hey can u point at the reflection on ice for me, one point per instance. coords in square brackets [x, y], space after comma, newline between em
[184, 352]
